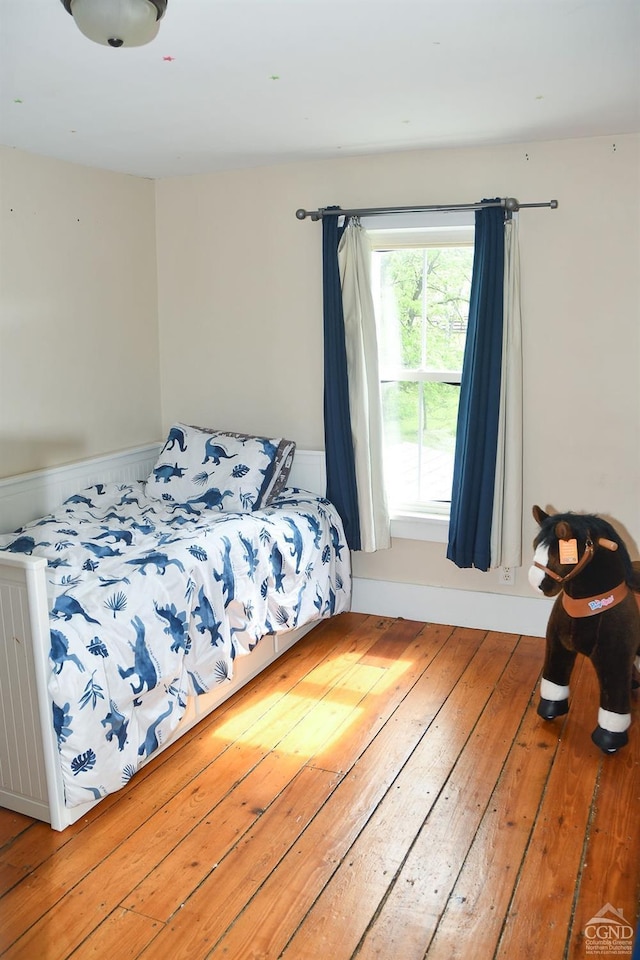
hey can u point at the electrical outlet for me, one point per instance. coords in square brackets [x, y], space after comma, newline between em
[506, 574]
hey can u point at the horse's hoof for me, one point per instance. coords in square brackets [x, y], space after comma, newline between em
[550, 709]
[607, 741]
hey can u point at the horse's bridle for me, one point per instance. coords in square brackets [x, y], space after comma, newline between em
[586, 558]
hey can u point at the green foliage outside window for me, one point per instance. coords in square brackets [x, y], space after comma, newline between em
[426, 293]
[430, 284]
[422, 323]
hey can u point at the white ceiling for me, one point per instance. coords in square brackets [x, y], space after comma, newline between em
[260, 82]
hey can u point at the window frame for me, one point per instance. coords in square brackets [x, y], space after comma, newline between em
[397, 231]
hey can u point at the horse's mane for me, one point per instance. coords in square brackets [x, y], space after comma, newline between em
[586, 525]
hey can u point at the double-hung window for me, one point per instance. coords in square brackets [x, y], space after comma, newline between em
[421, 278]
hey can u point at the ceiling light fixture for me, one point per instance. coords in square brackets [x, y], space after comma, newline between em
[117, 23]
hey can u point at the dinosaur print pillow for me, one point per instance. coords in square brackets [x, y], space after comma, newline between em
[231, 472]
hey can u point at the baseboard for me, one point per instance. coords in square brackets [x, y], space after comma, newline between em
[463, 608]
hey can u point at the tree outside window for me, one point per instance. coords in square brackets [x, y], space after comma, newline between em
[421, 290]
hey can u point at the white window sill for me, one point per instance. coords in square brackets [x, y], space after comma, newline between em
[420, 526]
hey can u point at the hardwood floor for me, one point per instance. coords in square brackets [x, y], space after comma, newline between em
[385, 790]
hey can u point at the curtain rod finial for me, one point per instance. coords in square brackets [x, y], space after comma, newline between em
[511, 204]
[301, 214]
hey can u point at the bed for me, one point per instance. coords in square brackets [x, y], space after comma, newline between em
[131, 608]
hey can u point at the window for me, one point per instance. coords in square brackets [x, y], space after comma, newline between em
[421, 281]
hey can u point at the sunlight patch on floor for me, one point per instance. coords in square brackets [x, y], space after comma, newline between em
[322, 721]
[327, 709]
[242, 720]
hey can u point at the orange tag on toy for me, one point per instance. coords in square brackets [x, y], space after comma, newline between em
[568, 551]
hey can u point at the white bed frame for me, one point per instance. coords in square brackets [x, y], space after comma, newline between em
[30, 778]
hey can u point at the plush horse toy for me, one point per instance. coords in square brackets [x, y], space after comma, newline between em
[582, 561]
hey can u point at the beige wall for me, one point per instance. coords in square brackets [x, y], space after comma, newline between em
[241, 312]
[79, 372]
[238, 320]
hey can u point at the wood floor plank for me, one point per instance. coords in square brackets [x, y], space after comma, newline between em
[403, 672]
[543, 901]
[192, 931]
[27, 849]
[384, 781]
[433, 842]
[393, 643]
[36, 845]
[169, 884]
[30, 848]
[73, 921]
[609, 874]
[122, 936]
[288, 735]
[83, 868]
[263, 931]
[480, 898]
[114, 863]
[410, 915]
[12, 825]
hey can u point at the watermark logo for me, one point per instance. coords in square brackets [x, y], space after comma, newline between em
[608, 934]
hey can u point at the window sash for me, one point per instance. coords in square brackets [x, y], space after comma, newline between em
[402, 375]
[411, 513]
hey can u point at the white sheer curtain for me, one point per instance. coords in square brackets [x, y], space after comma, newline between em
[354, 259]
[506, 526]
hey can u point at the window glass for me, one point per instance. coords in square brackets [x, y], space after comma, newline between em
[421, 285]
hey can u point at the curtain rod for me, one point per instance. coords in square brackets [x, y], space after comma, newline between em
[510, 204]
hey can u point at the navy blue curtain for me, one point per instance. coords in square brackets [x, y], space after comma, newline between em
[477, 432]
[338, 443]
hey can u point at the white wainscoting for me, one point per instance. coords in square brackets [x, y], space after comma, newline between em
[31, 495]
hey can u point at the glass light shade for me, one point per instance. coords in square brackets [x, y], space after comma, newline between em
[117, 23]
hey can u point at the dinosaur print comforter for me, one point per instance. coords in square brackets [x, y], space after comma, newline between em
[152, 601]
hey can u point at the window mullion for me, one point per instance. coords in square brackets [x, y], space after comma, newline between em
[400, 375]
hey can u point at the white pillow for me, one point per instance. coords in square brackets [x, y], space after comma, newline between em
[220, 470]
